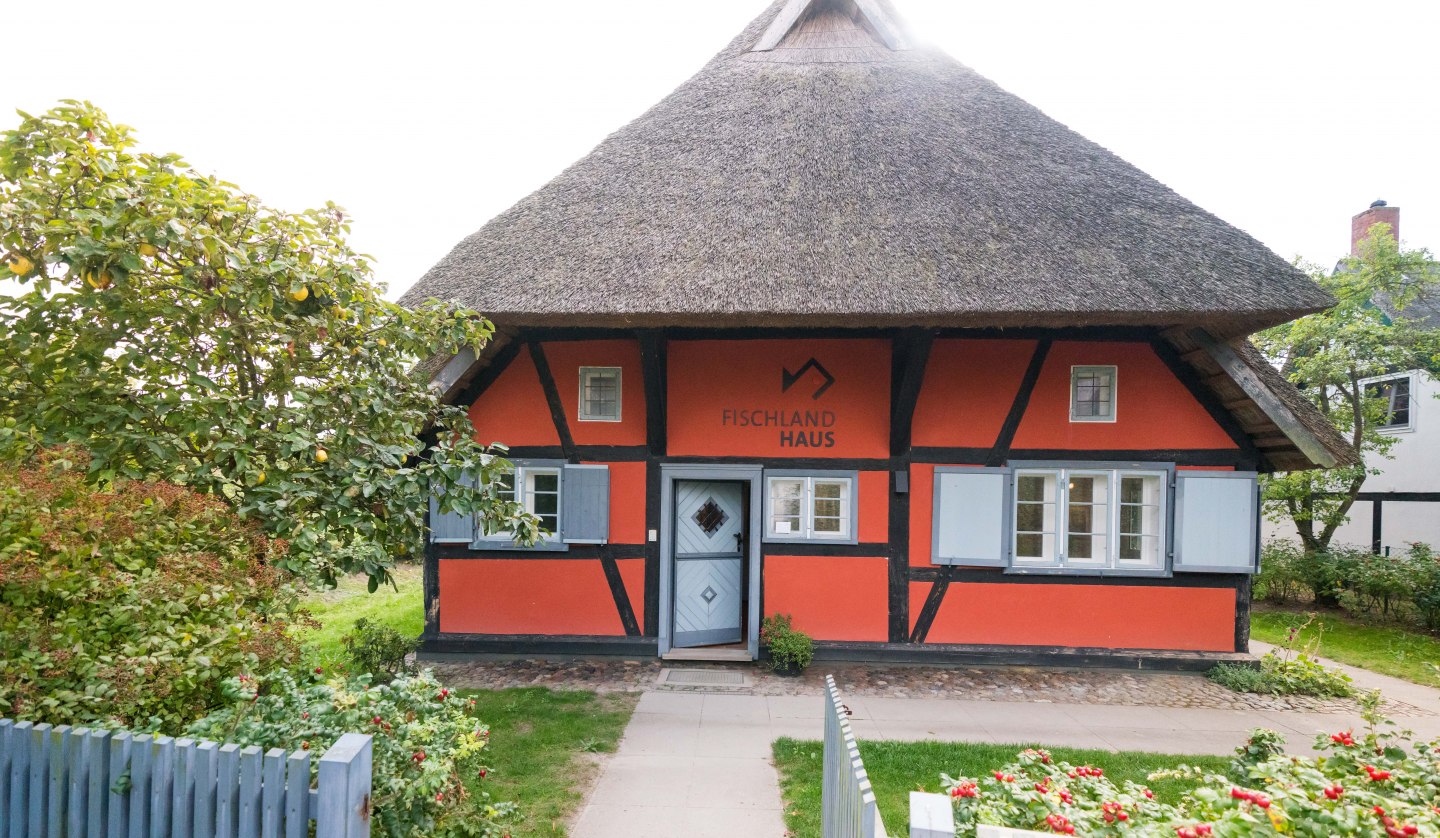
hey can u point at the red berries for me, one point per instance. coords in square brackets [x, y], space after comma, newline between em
[483, 772]
[418, 757]
[1376, 775]
[1334, 792]
[965, 789]
[305, 715]
[444, 694]
[1004, 778]
[319, 670]
[1060, 824]
[1114, 811]
[1149, 795]
[1393, 827]
[439, 796]
[1196, 831]
[377, 720]
[1344, 737]
[1253, 796]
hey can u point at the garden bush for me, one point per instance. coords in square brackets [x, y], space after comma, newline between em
[790, 650]
[1286, 671]
[427, 743]
[131, 604]
[379, 650]
[1363, 784]
[1404, 586]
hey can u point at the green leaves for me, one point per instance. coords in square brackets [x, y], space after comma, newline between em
[178, 328]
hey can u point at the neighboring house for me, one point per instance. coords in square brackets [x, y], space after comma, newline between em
[843, 330]
[1401, 504]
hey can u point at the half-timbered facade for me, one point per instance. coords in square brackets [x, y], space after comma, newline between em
[842, 330]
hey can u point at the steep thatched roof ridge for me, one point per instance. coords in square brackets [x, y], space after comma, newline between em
[836, 181]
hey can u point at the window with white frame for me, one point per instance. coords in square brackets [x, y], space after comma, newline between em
[1092, 394]
[810, 507]
[1079, 518]
[600, 394]
[1393, 393]
[539, 493]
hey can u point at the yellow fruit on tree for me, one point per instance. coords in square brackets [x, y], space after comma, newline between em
[148, 249]
[99, 280]
[382, 342]
[20, 266]
[300, 294]
[259, 478]
[320, 455]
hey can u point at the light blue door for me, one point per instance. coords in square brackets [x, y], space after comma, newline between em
[709, 552]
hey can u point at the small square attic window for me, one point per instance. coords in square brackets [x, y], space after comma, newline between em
[599, 394]
[1092, 394]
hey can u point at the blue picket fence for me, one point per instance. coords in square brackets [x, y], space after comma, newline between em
[64, 782]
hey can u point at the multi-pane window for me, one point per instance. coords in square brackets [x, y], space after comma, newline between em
[1092, 394]
[1084, 518]
[1394, 395]
[809, 507]
[540, 495]
[600, 394]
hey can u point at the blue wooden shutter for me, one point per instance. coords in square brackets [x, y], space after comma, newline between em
[1217, 521]
[450, 527]
[585, 504]
[972, 516]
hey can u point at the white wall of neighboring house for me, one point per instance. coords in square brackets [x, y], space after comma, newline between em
[1414, 467]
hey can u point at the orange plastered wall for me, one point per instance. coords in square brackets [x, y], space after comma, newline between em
[627, 503]
[567, 357]
[831, 598]
[513, 409]
[533, 596]
[1153, 409]
[707, 378]
[1100, 616]
[874, 524]
[968, 390]
[632, 573]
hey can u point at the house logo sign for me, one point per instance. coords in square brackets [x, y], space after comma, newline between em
[788, 378]
[812, 428]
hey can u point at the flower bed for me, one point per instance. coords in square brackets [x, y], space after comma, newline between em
[1366, 783]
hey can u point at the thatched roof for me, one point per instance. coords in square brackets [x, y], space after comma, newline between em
[845, 177]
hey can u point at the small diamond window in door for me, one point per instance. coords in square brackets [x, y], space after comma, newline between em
[710, 516]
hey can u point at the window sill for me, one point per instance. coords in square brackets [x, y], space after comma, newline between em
[512, 547]
[803, 540]
[1068, 571]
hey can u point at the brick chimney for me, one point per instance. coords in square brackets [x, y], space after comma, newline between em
[1378, 213]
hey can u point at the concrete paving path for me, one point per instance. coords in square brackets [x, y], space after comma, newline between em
[698, 764]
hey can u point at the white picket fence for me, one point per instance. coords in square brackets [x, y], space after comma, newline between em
[64, 782]
[847, 800]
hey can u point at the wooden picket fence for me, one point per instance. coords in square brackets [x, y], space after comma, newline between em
[64, 782]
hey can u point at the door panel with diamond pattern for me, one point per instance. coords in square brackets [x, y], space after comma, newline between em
[709, 535]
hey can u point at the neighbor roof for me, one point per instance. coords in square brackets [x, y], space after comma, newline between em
[843, 177]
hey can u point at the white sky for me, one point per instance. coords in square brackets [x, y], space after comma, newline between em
[425, 119]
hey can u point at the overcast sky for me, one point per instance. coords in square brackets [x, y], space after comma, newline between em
[1284, 117]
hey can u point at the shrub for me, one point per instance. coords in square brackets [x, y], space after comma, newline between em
[427, 742]
[379, 650]
[1282, 572]
[790, 650]
[1362, 785]
[1288, 672]
[129, 605]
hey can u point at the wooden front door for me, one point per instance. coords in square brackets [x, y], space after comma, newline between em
[709, 563]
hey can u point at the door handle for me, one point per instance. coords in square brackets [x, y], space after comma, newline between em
[739, 541]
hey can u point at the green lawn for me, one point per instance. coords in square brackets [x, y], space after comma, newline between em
[1390, 650]
[898, 768]
[401, 607]
[541, 746]
[543, 741]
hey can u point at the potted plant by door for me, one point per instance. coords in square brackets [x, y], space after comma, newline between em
[790, 650]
